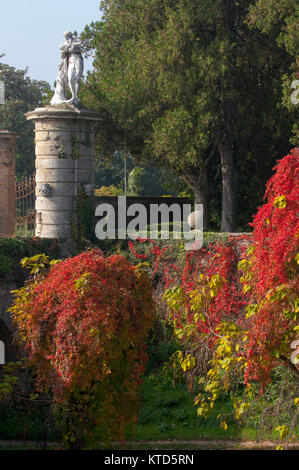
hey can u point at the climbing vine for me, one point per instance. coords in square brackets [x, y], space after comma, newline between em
[83, 322]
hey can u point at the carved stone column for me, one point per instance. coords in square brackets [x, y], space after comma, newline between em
[7, 183]
[64, 148]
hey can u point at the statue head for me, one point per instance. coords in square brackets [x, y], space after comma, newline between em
[68, 35]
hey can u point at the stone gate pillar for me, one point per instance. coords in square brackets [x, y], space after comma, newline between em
[7, 183]
[64, 148]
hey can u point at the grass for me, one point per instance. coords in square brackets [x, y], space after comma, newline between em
[167, 415]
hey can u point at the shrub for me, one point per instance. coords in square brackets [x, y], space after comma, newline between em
[201, 289]
[12, 250]
[83, 326]
[252, 348]
[236, 328]
[108, 191]
[271, 274]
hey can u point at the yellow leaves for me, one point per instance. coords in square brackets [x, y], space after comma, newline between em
[174, 298]
[69, 437]
[223, 425]
[246, 288]
[142, 265]
[241, 407]
[216, 282]
[297, 258]
[229, 329]
[283, 431]
[207, 291]
[198, 399]
[82, 284]
[224, 349]
[196, 302]
[245, 263]
[296, 401]
[9, 379]
[251, 310]
[242, 264]
[250, 250]
[280, 202]
[37, 264]
[94, 331]
[53, 262]
[188, 363]
[212, 386]
[204, 410]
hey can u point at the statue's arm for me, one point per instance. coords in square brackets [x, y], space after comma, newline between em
[63, 51]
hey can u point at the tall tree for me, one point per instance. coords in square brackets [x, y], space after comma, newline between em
[281, 19]
[181, 78]
[22, 94]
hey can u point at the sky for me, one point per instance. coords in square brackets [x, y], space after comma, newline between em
[32, 30]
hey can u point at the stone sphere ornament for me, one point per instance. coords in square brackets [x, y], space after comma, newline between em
[195, 220]
[89, 189]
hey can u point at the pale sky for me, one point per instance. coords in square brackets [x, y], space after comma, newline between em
[32, 30]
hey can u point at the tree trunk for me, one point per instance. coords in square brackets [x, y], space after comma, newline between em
[228, 193]
[200, 187]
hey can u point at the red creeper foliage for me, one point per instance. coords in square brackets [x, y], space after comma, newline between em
[272, 273]
[84, 326]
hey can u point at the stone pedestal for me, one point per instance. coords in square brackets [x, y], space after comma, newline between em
[7, 183]
[64, 148]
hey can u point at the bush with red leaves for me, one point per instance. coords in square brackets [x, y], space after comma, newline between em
[84, 326]
[271, 273]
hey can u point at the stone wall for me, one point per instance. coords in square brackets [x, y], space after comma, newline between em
[6, 301]
[6, 325]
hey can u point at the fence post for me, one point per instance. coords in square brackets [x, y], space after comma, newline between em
[7, 183]
[25, 199]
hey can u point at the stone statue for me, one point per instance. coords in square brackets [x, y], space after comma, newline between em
[70, 70]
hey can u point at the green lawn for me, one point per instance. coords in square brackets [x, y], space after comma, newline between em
[167, 413]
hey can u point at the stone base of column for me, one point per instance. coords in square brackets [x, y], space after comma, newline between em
[64, 147]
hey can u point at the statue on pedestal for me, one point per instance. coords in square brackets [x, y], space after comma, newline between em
[70, 70]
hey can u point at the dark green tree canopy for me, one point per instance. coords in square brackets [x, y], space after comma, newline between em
[195, 89]
[281, 20]
[22, 94]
